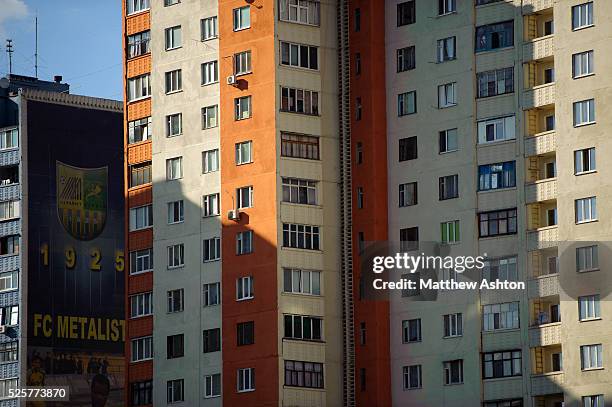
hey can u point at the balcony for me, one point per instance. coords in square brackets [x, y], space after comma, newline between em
[541, 190]
[543, 286]
[547, 383]
[542, 238]
[541, 143]
[538, 48]
[542, 95]
[545, 335]
[534, 6]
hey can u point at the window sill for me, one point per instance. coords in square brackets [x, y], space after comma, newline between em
[241, 29]
[209, 83]
[135, 13]
[138, 99]
[412, 388]
[174, 92]
[244, 163]
[587, 221]
[141, 186]
[138, 143]
[175, 267]
[590, 319]
[585, 172]
[141, 272]
[216, 37]
[174, 135]
[176, 223]
[586, 75]
[238, 75]
[241, 119]
[588, 270]
[448, 152]
[584, 27]
[212, 397]
[590, 369]
[452, 336]
[245, 299]
[140, 360]
[453, 384]
[139, 229]
[211, 260]
[447, 106]
[448, 13]
[173, 48]
[584, 124]
[139, 56]
[246, 391]
[141, 316]
[211, 216]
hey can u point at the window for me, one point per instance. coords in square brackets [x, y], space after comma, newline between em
[139, 130]
[494, 36]
[449, 232]
[549, 75]
[242, 63]
[209, 28]
[549, 27]
[299, 146]
[246, 379]
[362, 379]
[587, 258]
[139, 87]
[176, 256]
[243, 152]
[299, 191]
[584, 160]
[175, 212]
[557, 361]
[209, 117]
[362, 333]
[496, 129]
[593, 401]
[408, 148]
[357, 63]
[244, 197]
[303, 327]
[9, 281]
[501, 364]
[174, 168]
[496, 223]
[210, 205]
[496, 176]
[500, 316]
[210, 72]
[9, 351]
[495, 82]
[212, 249]
[175, 391]
[453, 372]
[446, 6]
[453, 325]
[9, 139]
[141, 261]
[140, 174]
[411, 330]
[142, 348]
[135, 6]
[584, 112]
[588, 307]
[242, 108]
[171, 2]
[6, 385]
[174, 81]
[300, 11]
[448, 187]
[582, 15]
[210, 161]
[409, 239]
[9, 315]
[142, 393]
[174, 125]
[447, 49]
[408, 195]
[173, 37]
[447, 95]
[176, 300]
[406, 103]
[212, 340]
[582, 64]
[358, 108]
[412, 377]
[503, 269]
[586, 209]
[299, 55]
[244, 288]
[357, 19]
[211, 292]
[244, 242]
[141, 217]
[141, 305]
[406, 13]
[175, 346]
[591, 357]
[245, 333]
[550, 123]
[448, 141]
[9, 210]
[299, 101]
[406, 59]
[303, 374]
[298, 281]
[301, 236]
[139, 44]
[242, 18]
[212, 385]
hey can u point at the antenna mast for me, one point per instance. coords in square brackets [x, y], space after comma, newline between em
[9, 51]
[36, 48]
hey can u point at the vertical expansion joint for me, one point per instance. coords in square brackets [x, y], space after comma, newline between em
[346, 204]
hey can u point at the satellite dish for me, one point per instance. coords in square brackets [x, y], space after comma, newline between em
[4, 83]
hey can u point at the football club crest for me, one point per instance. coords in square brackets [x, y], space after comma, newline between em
[82, 195]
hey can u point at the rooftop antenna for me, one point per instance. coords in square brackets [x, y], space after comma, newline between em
[9, 51]
[36, 48]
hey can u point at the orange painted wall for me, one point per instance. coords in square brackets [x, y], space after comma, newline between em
[261, 218]
[371, 175]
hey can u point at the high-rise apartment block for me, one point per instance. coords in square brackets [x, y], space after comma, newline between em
[270, 143]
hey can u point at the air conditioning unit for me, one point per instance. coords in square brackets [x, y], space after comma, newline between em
[231, 80]
[234, 214]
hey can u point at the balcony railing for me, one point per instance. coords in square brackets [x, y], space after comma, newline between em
[539, 96]
[533, 6]
[539, 48]
[542, 238]
[545, 335]
[540, 191]
[541, 143]
[543, 286]
[547, 383]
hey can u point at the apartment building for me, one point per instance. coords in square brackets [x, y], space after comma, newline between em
[233, 239]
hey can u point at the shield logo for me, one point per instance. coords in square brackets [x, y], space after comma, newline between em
[82, 195]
